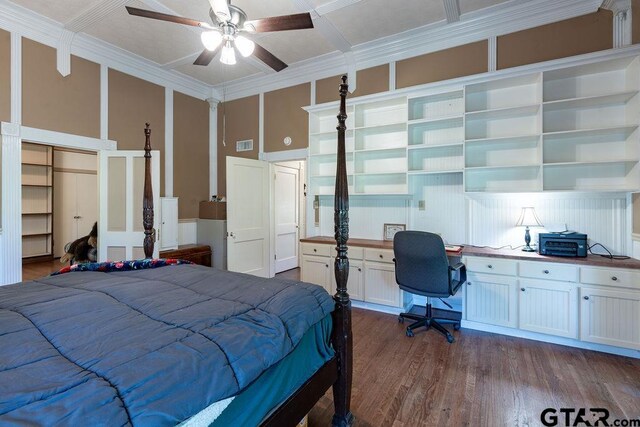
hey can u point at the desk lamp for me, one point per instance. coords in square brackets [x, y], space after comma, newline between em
[528, 218]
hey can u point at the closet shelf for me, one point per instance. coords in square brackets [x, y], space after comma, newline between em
[36, 164]
[453, 121]
[594, 162]
[434, 172]
[502, 113]
[520, 138]
[481, 168]
[570, 134]
[428, 146]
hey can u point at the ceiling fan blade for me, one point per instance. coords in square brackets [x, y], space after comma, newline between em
[299, 21]
[269, 58]
[165, 17]
[206, 57]
[221, 9]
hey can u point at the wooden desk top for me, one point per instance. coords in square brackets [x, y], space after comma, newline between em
[590, 260]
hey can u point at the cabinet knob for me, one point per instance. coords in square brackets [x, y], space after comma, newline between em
[489, 266]
[614, 278]
[522, 289]
[545, 271]
[586, 297]
[468, 283]
[315, 250]
[359, 269]
[381, 256]
[326, 265]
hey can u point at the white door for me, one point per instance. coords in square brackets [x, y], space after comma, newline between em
[286, 207]
[169, 223]
[248, 216]
[87, 202]
[65, 227]
[121, 178]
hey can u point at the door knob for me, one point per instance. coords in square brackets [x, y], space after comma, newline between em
[232, 235]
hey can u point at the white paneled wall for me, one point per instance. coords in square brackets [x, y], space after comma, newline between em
[367, 215]
[604, 218]
[444, 205]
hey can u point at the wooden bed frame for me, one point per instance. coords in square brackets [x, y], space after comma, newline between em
[337, 372]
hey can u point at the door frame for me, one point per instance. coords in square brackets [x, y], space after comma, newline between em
[12, 189]
[302, 183]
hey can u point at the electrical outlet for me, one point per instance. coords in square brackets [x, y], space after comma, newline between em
[421, 205]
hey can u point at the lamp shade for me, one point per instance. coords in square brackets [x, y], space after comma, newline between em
[528, 218]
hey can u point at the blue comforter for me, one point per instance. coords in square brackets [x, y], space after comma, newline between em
[149, 347]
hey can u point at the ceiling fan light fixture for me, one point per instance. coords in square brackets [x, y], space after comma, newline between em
[245, 46]
[228, 54]
[211, 40]
[249, 27]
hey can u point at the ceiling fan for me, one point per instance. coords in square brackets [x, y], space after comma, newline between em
[225, 32]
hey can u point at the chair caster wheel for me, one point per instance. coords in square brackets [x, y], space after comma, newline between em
[409, 333]
[400, 319]
[450, 338]
[456, 326]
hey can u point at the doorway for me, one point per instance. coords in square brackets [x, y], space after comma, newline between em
[289, 213]
[59, 204]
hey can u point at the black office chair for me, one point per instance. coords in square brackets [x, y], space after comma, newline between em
[422, 268]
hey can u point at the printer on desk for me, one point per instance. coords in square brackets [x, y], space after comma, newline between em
[566, 243]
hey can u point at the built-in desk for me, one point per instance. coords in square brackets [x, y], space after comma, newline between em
[591, 302]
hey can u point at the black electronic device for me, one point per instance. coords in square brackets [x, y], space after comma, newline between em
[563, 244]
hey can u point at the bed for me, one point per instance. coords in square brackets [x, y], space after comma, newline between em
[164, 342]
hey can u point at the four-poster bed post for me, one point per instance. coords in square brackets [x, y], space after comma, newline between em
[342, 338]
[147, 201]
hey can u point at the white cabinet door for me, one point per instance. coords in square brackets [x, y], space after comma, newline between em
[380, 284]
[168, 223]
[491, 299]
[355, 283]
[549, 307]
[316, 269]
[610, 317]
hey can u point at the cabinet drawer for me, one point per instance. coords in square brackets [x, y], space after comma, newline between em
[354, 252]
[492, 265]
[378, 255]
[611, 277]
[549, 270]
[316, 249]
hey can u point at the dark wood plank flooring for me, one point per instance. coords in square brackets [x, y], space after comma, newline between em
[482, 379]
[31, 271]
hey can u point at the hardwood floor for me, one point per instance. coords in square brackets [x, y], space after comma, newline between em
[293, 274]
[36, 270]
[482, 379]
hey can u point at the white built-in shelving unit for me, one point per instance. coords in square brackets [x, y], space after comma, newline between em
[566, 129]
[37, 200]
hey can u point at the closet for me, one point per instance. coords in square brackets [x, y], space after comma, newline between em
[75, 200]
[37, 189]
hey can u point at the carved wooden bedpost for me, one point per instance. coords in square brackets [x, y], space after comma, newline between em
[342, 338]
[147, 201]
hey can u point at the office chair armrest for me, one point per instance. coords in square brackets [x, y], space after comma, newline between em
[453, 284]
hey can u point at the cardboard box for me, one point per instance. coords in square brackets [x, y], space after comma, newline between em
[213, 210]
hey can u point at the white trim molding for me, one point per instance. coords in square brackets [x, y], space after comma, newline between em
[66, 140]
[213, 145]
[286, 155]
[11, 221]
[473, 26]
[63, 52]
[621, 21]
[168, 142]
[493, 53]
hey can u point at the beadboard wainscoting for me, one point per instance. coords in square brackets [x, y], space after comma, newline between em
[603, 217]
[187, 231]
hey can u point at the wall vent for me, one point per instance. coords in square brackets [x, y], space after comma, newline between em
[245, 145]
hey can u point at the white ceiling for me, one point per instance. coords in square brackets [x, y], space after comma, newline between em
[339, 26]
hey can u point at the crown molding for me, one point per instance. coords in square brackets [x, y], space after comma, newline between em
[26, 23]
[494, 21]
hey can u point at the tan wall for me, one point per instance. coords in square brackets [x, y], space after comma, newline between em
[284, 117]
[635, 21]
[5, 76]
[132, 103]
[190, 153]
[446, 64]
[242, 117]
[575, 36]
[64, 104]
[370, 80]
